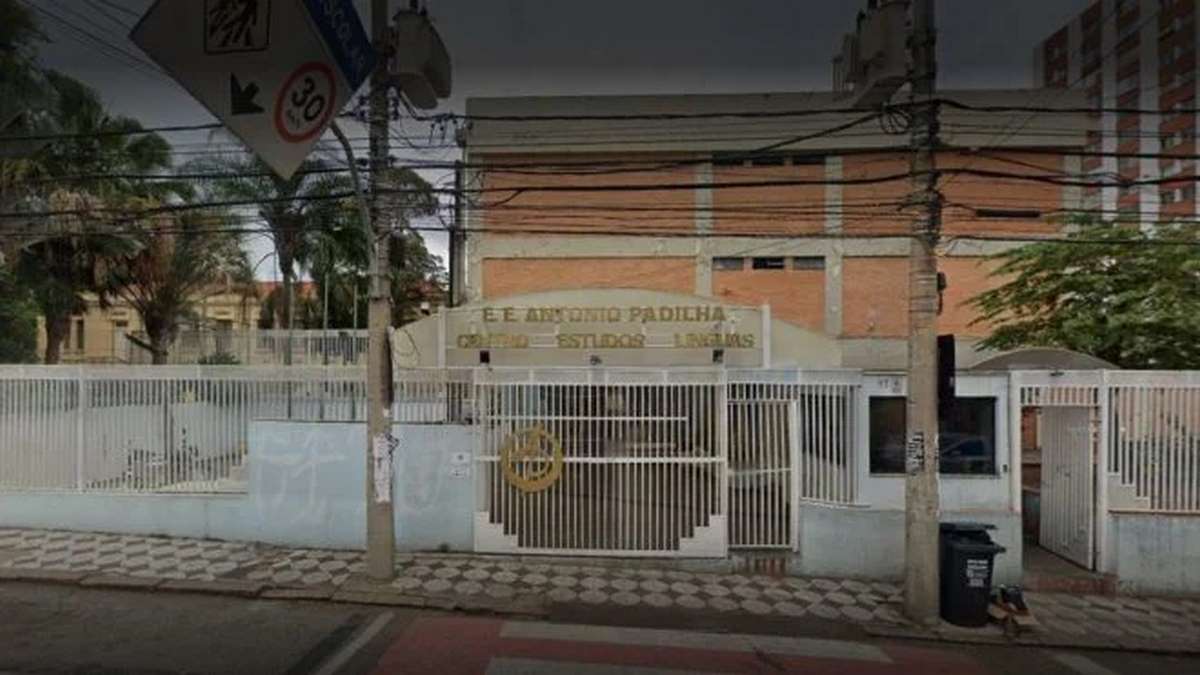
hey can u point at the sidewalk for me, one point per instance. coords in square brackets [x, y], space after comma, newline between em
[509, 585]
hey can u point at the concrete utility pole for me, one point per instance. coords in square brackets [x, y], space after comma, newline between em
[921, 533]
[381, 531]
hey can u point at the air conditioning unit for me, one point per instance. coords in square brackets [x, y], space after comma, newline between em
[420, 65]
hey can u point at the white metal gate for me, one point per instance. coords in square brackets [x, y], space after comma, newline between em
[642, 468]
[1068, 482]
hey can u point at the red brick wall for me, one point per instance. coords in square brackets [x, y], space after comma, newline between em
[797, 296]
[513, 276]
[875, 296]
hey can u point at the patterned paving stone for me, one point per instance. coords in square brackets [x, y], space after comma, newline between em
[625, 585]
[316, 578]
[468, 588]
[684, 588]
[789, 609]
[840, 598]
[855, 586]
[824, 611]
[778, 594]
[403, 583]
[886, 614]
[715, 590]
[722, 604]
[825, 584]
[625, 598]
[856, 613]
[747, 592]
[756, 606]
[657, 600]
[593, 597]
[290, 576]
[476, 574]
[654, 586]
[593, 583]
[1083, 617]
[503, 592]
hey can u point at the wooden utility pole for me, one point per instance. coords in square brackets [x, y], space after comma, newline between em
[921, 530]
[381, 531]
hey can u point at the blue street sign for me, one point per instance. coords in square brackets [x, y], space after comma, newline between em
[343, 33]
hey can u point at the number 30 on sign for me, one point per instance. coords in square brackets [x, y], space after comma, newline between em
[305, 103]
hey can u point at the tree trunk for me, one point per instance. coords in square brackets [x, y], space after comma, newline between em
[58, 329]
[160, 344]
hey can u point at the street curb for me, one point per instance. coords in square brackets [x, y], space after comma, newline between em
[117, 582]
[956, 636]
[314, 593]
[234, 587]
[42, 576]
[364, 592]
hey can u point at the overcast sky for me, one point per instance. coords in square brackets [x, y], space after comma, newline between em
[547, 47]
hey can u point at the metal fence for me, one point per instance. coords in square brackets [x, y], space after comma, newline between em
[652, 460]
[259, 348]
[1146, 428]
[1154, 438]
[165, 428]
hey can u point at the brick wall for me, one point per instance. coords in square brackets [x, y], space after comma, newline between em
[875, 296]
[503, 277]
[797, 296]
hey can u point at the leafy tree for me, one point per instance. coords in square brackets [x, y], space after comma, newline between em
[178, 258]
[18, 315]
[61, 259]
[1126, 296]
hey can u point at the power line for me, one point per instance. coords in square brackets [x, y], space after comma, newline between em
[114, 52]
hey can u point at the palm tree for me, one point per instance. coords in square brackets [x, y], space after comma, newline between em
[179, 257]
[293, 210]
[62, 258]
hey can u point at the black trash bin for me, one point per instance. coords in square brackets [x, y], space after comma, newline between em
[967, 559]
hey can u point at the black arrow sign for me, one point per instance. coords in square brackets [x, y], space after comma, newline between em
[243, 97]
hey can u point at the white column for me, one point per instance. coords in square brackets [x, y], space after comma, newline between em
[1108, 52]
[704, 227]
[1148, 98]
[834, 226]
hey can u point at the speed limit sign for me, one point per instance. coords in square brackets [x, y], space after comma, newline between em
[306, 102]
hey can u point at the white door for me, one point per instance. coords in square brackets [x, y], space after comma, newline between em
[1068, 475]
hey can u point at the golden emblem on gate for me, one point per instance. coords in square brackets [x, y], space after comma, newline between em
[532, 459]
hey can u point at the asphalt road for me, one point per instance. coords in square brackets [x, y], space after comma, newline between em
[62, 629]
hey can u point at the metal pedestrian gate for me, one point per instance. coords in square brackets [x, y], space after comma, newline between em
[663, 462]
[602, 462]
[1068, 482]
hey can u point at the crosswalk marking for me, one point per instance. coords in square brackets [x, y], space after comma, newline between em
[783, 646]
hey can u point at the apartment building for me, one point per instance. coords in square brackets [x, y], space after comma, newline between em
[1133, 55]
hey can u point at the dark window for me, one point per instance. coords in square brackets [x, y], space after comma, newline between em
[889, 419]
[967, 435]
[808, 263]
[808, 160]
[729, 264]
[769, 264]
[1021, 214]
[79, 342]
